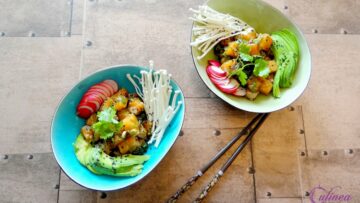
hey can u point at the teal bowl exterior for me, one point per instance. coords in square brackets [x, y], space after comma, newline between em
[66, 127]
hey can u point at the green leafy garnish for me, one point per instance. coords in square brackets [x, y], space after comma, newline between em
[107, 124]
[261, 68]
[244, 52]
[242, 76]
[107, 115]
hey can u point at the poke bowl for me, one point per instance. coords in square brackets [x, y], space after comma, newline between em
[262, 18]
[68, 123]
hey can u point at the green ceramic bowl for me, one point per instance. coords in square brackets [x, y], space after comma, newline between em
[265, 19]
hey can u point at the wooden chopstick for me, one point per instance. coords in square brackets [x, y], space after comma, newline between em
[221, 172]
[199, 173]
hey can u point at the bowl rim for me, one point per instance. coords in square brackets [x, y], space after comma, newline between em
[253, 111]
[73, 87]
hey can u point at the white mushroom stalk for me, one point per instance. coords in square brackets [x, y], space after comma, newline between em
[211, 27]
[160, 106]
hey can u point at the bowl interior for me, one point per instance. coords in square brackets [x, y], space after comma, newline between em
[265, 19]
[66, 126]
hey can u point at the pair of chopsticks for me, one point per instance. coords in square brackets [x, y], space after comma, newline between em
[250, 129]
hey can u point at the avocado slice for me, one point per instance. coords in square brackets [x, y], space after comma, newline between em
[100, 163]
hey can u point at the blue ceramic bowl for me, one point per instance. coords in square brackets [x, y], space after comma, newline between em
[66, 126]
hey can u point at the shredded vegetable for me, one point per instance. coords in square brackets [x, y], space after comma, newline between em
[156, 93]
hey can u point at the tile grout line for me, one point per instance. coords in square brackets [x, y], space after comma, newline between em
[82, 41]
[71, 16]
[303, 127]
[58, 194]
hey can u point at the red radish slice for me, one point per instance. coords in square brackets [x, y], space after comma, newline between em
[106, 90]
[98, 93]
[107, 86]
[220, 82]
[101, 91]
[113, 84]
[92, 101]
[215, 71]
[240, 92]
[89, 104]
[214, 63]
[84, 111]
[229, 88]
[92, 97]
[217, 77]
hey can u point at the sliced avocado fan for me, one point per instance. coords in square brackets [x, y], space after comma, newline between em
[100, 163]
[286, 52]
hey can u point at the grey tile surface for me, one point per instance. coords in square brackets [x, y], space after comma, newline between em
[77, 17]
[133, 32]
[331, 101]
[275, 152]
[29, 180]
[42, 17]
[36, 74]
[182, 162]
[336, 169]
[325, 16]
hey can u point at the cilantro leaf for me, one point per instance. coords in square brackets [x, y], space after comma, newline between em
[261, 68]
[244, 52]
[107, 115]
[106, 129]
[107, 124]
[242, 77]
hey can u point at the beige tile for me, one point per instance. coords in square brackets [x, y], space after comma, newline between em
[134, 32]
[77, 196]
[29, 180]
[337, 170]
[189, 153]
[213, 113]
[77, 17]
[36, 74]
[42, 17]
[280, 200]
[330, 102]
[275, 154]
[67, 184]
[326, 16]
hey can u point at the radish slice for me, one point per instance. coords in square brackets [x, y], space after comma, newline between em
[97, 93]
[89, 104]
[215, 71]
[220, 82]
[113, 84]
[229, 88]
[103, 88]
[84, 111]
[214, 63]
[240, 92]
[92, 97]
[107, 86]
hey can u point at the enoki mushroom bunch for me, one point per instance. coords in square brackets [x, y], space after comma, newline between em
[156, 94]
[211, 27]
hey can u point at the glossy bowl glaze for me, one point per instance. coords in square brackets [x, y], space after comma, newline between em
[66, 126]
[265, 19]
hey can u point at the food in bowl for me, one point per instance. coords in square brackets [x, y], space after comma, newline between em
[248, 63]
[121, 125]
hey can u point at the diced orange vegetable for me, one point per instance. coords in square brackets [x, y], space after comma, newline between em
[266, 87]
[272, 66]
[228, 65]
[265, 42]
[254, 49]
